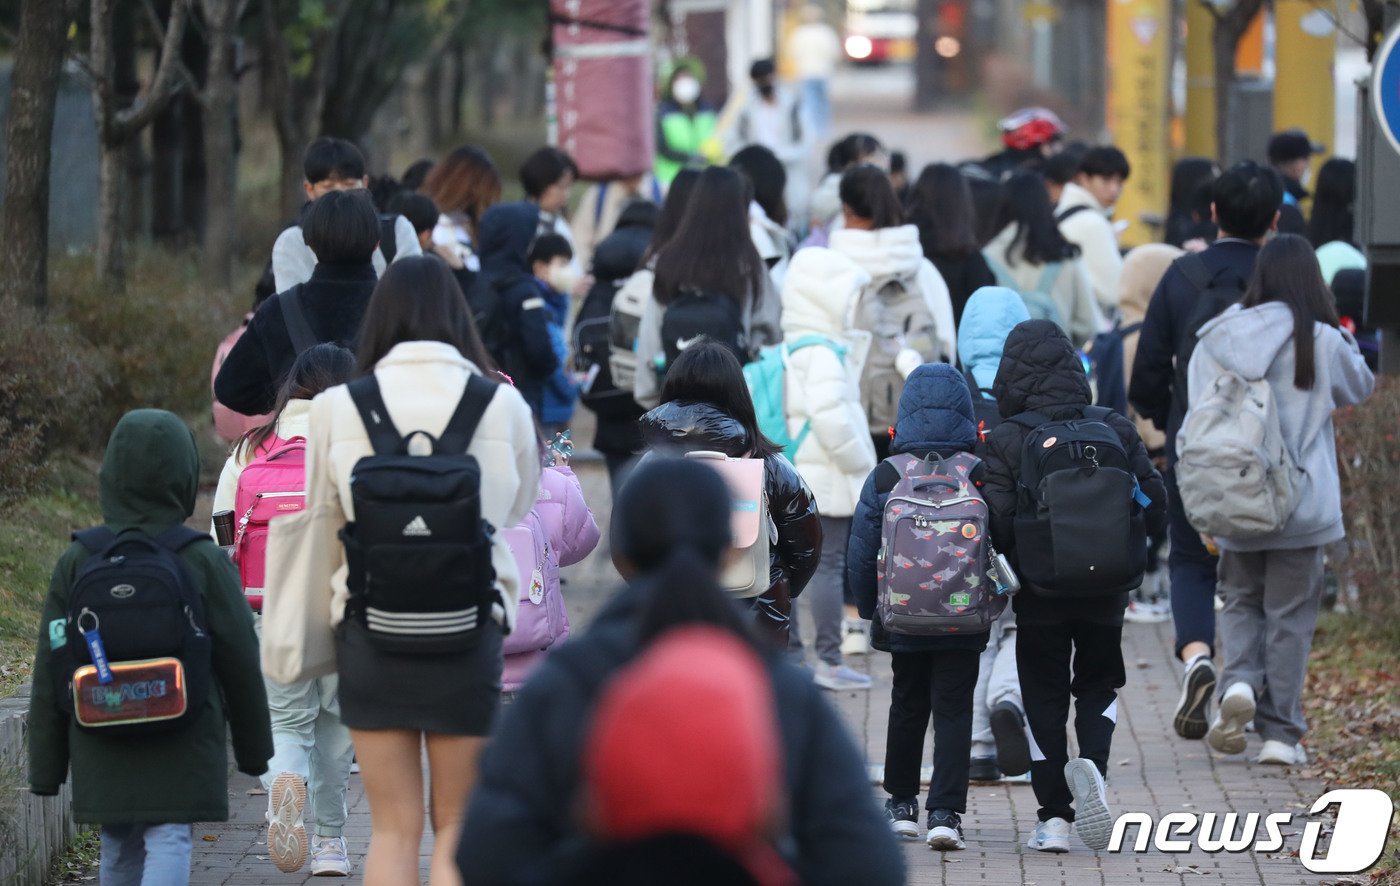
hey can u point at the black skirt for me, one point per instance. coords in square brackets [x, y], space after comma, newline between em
[452, 694]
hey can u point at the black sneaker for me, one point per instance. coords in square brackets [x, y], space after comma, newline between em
[945, 832]
[903, 816]
[1009, 733]
[984, 769]
[1193, 708]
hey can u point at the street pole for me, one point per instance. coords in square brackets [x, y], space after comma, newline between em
[1304, 94]
[1200, 80]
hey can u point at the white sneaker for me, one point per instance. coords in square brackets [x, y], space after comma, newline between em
[1281, 754]
[330, 858]
[1050, 836]
[1093, 822]
[855, 638]
[286, 828]
[1197, 687]
[840, 677]
[1144, 612]
[1226, 733]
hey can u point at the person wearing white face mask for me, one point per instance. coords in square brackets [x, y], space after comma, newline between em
[556, 274]
[684, 122]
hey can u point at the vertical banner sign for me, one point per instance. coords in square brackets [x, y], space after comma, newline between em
[1139, 112]
[1385, 88]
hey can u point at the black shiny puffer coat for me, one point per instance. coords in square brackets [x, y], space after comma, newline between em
[679, 427]
[1040, 372]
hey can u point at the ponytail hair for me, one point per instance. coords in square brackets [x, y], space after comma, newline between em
[677, 541]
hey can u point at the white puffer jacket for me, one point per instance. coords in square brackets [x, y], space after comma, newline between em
[819, 298]
[896, 252]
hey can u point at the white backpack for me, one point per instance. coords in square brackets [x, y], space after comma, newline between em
[747, 574]
[1236, 475]
[624, 319]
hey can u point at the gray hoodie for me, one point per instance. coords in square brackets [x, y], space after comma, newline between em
[1256, 343]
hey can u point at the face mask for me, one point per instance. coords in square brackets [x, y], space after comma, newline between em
[685, 90]
[766, 90]
[562, 278]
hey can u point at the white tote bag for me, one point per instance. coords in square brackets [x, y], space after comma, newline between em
[303, 553]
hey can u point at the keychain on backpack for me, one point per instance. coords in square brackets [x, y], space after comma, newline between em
[95, 647]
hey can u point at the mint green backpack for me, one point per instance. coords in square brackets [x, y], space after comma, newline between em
[765, 379]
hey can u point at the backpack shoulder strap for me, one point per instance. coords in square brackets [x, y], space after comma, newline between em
[457, 436]
[972, 385]
[1125, 331]
[388, 237]
[96, 540]
[598, 206]
[1049, 276]
[177, 538]
[1196, 271]
[303, 339]
[1000, 271]
[1069, 213]
[383, 436]
[887, 476]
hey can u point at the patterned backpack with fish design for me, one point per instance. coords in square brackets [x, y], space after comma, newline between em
[936, 569]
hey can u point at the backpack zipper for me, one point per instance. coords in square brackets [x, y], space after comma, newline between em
[248, 514]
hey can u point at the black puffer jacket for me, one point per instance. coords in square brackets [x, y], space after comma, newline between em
[679, 427]
[614, 260]
[1041, 372]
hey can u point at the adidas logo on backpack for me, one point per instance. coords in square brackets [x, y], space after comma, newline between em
[417, 527]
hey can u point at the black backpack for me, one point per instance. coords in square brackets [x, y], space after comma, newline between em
[984, 408]
[487, 307]
[1214, 293]
[696, 315]
[1079, 526]
[1106, 368]
[592, 347]
[135, 598]
[418, 551]
[388, 237]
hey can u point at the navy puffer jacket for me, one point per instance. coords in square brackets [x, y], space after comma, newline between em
[935, 416]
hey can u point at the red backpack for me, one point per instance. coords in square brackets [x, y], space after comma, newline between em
[273, 484]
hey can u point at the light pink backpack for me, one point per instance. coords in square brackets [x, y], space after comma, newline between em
[272, 484]
[230, 425]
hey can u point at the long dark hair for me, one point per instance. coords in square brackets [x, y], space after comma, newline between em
[1026, 204]
[1334, 197]
[940, 204]
[712, 250]
[672, 211]
[1287, 272]
[850, 150]
[676, 542]
[708, 372]
[418, 299]
[866, 191]
[315, 369]
[766, 174]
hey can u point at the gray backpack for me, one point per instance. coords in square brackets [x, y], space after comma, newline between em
[1236, 475]
[896, 315]
[936, 569]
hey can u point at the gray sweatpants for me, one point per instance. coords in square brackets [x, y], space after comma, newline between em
[1266, 631]
[997, 680]
[825, 593]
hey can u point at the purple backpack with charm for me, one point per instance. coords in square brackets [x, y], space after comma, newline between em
[936, 569]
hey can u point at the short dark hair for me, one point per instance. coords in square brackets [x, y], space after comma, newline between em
[419, 209]
[543, 168]
[342, 227]
[1061, 168]
[332, 158]
[548, 247]
[1106, 161]
[1247, 197]
[764, 67]
[415, 174]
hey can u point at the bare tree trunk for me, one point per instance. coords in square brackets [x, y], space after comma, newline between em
[1229, 28]
[220, 144]
[928, 67]
[458, 99]
[111, 176]
[24, 219]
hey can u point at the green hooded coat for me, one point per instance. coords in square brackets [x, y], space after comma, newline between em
[149, 479]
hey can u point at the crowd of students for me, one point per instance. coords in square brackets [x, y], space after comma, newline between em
[812, 395]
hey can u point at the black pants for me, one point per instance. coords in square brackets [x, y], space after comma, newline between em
[1192, 571]
[1048, 678]
[942, 684]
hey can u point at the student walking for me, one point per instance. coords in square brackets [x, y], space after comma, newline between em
[1286, 334]
[1083, 215]
[940, 206]
[464, 184]
[144, 782]
[821, 398]
[669, 548]
[1069, 614]
[706, 406]
[310, 765]
[999, 745]
[415, 667]
[555, 274]
[342, 229]
[934, 676]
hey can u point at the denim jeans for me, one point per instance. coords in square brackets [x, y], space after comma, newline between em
[309, 739]
[1192, 571]
[816, 101]
[145, 855]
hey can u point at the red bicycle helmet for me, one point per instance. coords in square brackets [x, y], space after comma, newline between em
[1030, 128]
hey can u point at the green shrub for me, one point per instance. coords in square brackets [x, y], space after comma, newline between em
[1368, 457]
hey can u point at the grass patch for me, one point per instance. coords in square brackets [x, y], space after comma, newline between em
[1352, 704]
[78, 862]
[33, 532]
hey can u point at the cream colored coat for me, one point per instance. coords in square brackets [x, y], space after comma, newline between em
[819, 298]
[422, 383]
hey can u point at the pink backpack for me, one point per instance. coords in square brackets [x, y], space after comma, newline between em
[231, 425]
[541, 620]
[271, 485]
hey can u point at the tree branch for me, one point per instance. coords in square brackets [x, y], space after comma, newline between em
[164, 85]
